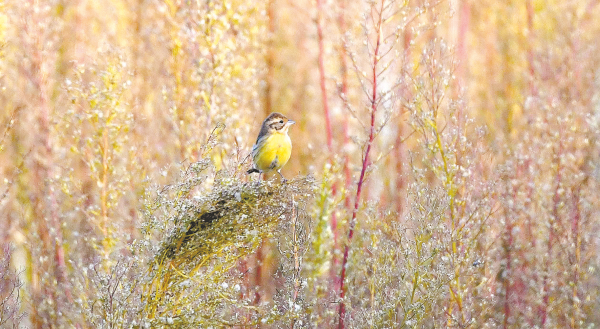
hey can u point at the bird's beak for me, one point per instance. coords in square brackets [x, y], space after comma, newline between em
[291, 122]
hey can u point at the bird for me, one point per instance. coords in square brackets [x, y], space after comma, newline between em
[273, 146]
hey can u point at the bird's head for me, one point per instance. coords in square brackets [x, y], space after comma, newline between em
[277, 122]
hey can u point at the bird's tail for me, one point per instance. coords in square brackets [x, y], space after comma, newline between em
[253, 170]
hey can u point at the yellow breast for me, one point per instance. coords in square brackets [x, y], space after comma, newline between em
[272, 152]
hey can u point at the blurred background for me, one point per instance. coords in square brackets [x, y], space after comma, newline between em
[457, 139]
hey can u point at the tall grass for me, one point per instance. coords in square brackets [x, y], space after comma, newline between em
[443, 174]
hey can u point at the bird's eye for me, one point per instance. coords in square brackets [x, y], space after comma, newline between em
[280, 121]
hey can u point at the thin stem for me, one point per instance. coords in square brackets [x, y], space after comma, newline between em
[295, 242]
[463, 27]
[347, 175]
[322, 74]
[104, 195]
[530, 53]
[258, 274]
[344, 90]
[508, 242]
[270, 58]
[575, 229]
[325, 104]
[551, 236]
[342, 310]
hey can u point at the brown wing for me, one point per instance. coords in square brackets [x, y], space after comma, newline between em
[263, 131]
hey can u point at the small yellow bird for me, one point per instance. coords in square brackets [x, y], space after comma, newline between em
[273, 146]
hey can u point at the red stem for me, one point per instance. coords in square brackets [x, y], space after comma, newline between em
[530, 54]
[554, 221]
[507, 248]
[342, 311]
[577, 243]
[344, 90]
[322, 73]
[347, 176]
[463, 27]
[270, 58]
[258, 273]
[38, 75]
